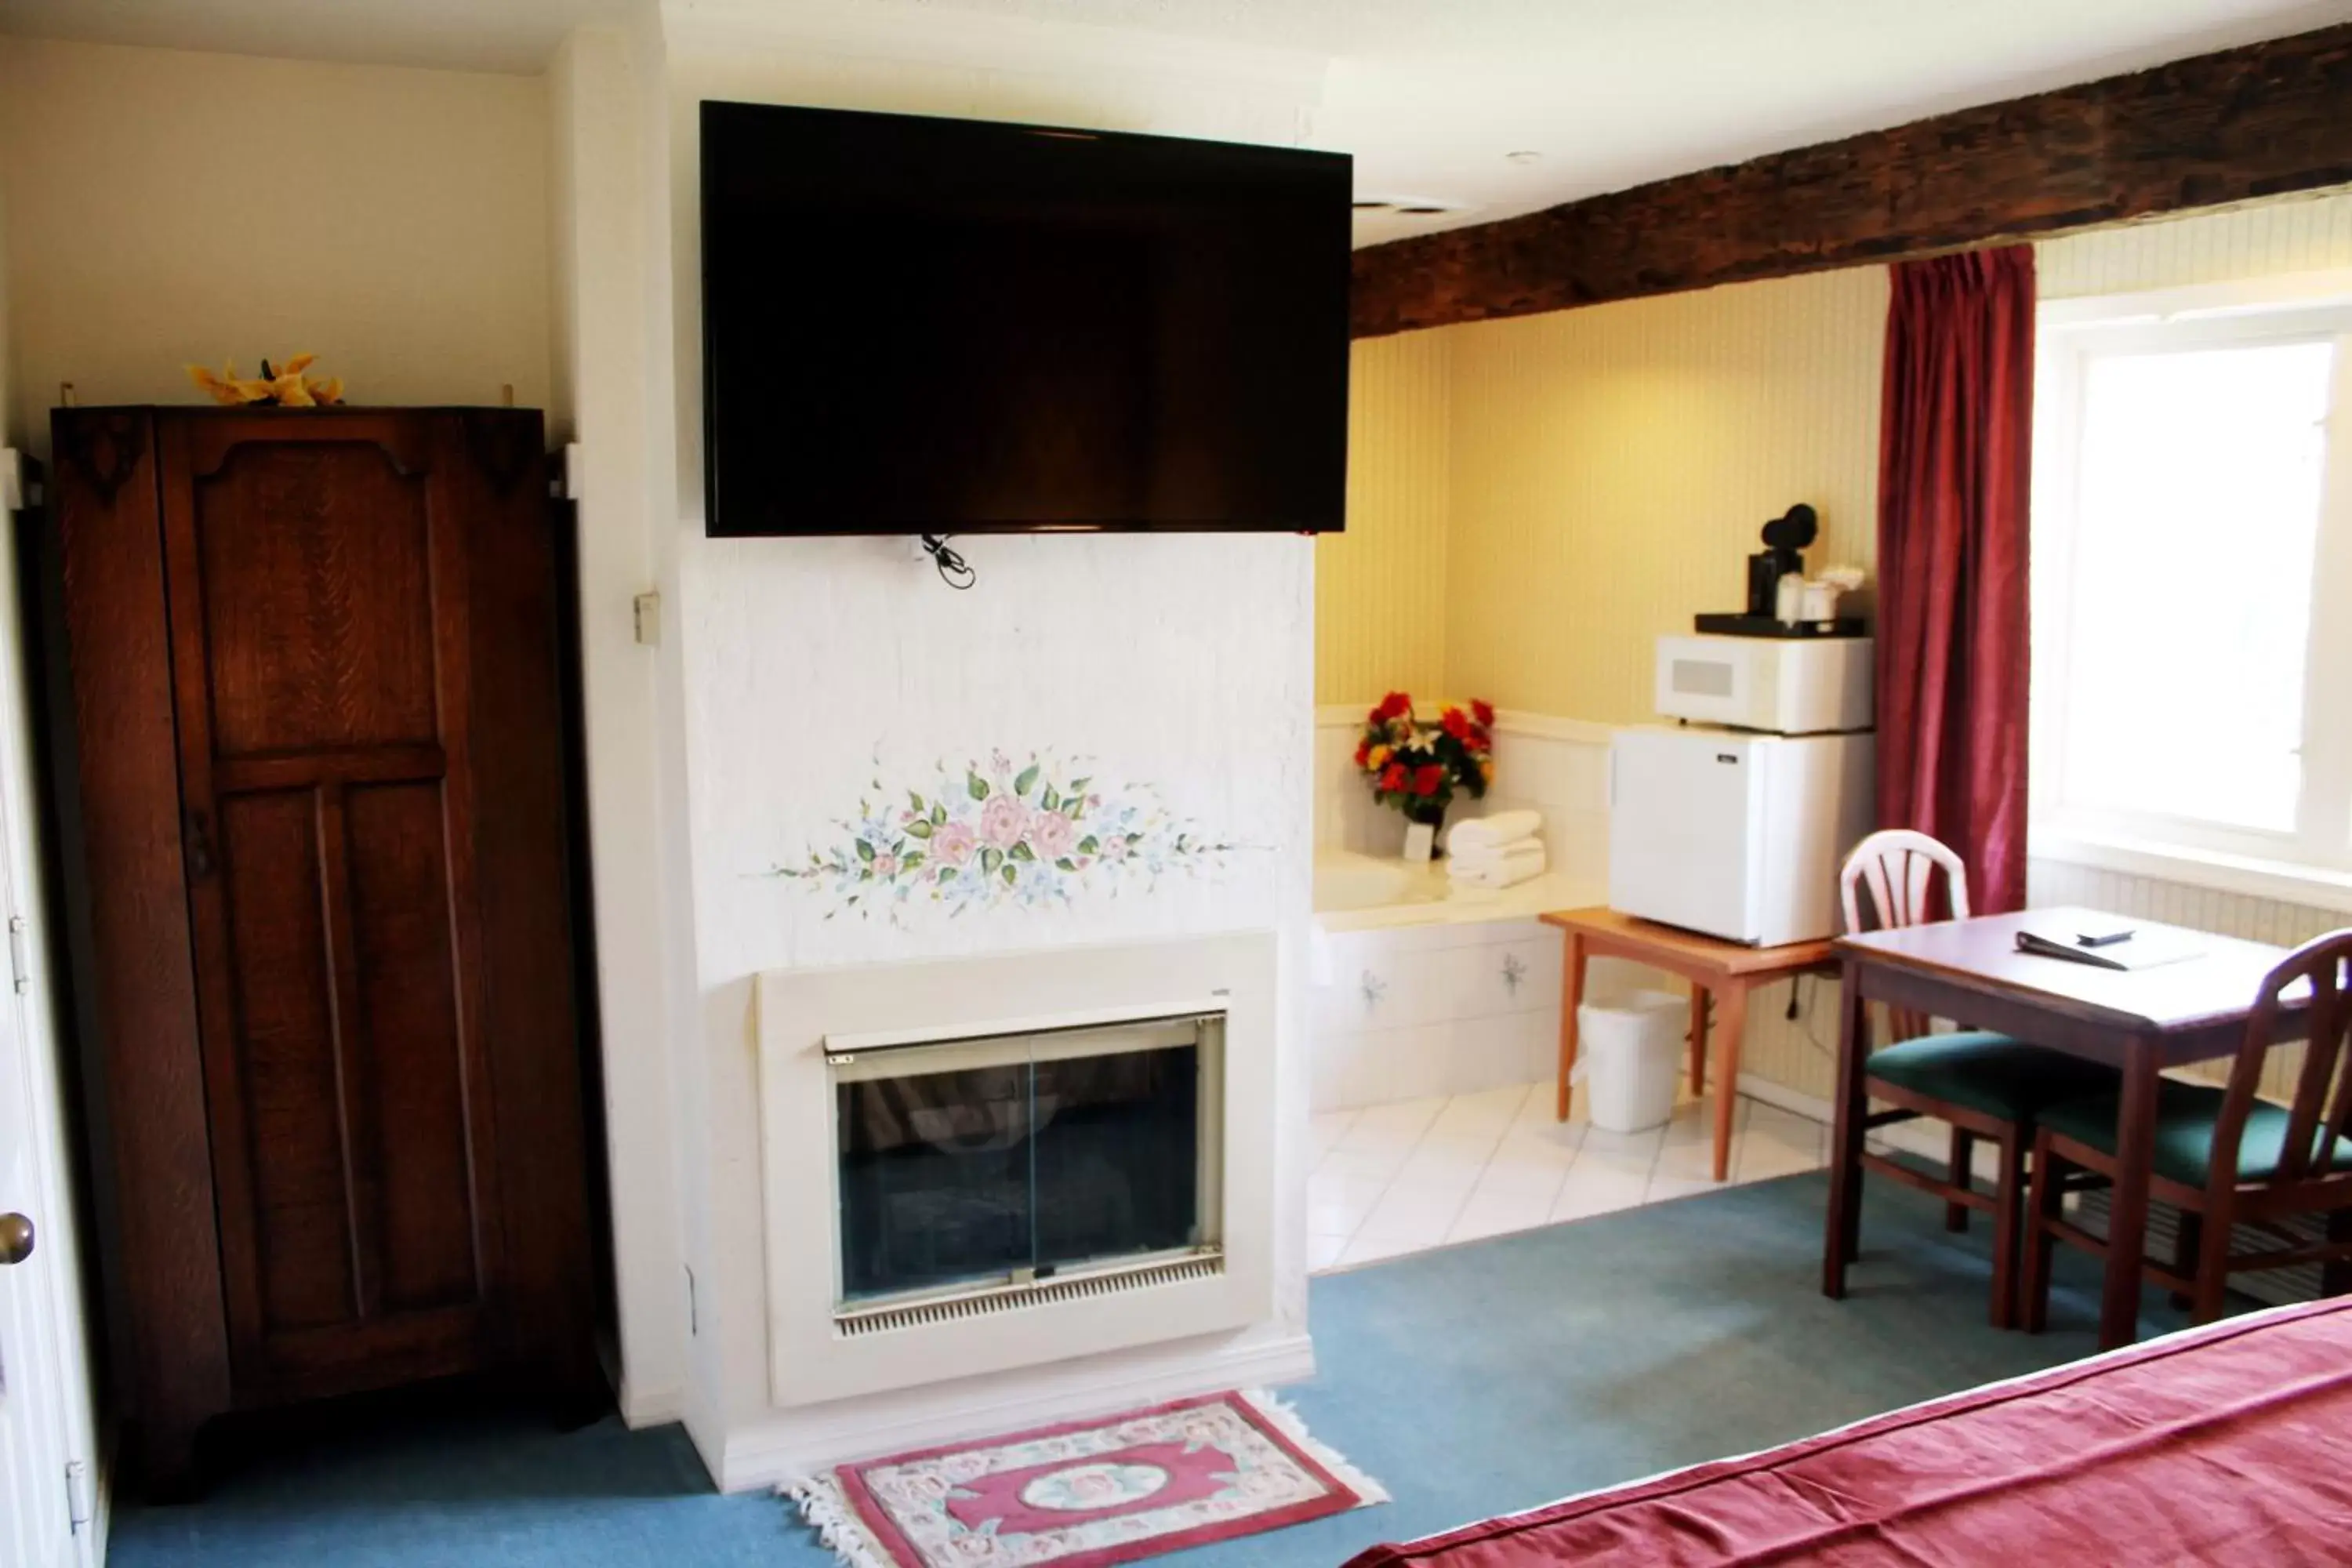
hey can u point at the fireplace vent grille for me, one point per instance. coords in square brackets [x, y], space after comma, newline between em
[1018, 1297]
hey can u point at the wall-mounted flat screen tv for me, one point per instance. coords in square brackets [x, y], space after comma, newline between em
[914, 325]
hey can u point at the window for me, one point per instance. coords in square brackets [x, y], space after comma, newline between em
[2192, 575]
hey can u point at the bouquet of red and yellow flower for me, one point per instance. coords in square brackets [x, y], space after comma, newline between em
[1416, 767]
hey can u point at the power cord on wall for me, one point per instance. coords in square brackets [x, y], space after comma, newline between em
[1802, 1014]
[954, 571]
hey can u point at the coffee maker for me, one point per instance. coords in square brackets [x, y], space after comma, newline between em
[1785, 538]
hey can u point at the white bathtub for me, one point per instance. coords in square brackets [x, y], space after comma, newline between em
[1419, 994]
[1361, 892]
[1346, 882]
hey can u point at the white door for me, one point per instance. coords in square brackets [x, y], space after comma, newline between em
[48, 1485]
[36, 1509]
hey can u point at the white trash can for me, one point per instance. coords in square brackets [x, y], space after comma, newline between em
[1629, 1054]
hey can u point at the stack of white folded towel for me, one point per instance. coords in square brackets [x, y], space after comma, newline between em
[1491, 853]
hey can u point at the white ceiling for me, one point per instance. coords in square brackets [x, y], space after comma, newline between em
[1430, 95]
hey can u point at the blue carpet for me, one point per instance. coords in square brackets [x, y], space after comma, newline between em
[1471, 1381]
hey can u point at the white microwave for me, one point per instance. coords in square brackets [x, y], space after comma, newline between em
[1783, 686]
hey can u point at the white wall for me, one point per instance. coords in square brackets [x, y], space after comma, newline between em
[788, 673]
[600, 89]
[811, 669]
[7, 344]
[172, 207]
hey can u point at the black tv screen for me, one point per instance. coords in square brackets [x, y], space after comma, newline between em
[914, 325]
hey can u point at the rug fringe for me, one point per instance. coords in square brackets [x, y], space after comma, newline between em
[825, 1510]
[1293, 1427]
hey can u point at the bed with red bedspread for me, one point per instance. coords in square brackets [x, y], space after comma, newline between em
[2228, 1444]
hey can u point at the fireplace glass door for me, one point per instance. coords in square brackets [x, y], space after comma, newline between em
[970, 1163]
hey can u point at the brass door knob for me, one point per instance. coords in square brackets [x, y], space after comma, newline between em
[15, 1239]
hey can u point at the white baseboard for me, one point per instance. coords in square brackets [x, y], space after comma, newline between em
[109, 1461]
[1932, 1141]
[1928, 1139]
[791, 1445]
[1795, 1101]
[650, 1407]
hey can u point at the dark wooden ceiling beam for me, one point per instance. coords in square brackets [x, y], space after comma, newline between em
[2263, 120]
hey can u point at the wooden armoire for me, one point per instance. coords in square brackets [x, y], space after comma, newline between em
[316, 872]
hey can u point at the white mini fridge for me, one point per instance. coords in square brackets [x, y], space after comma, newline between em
[1736, 834]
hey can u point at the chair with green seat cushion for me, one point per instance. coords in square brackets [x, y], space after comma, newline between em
[1994, 1074]
[2188, 1121]
[2228, 1160]
[1985, 1086]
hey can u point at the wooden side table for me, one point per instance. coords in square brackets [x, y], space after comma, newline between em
[1727, 970]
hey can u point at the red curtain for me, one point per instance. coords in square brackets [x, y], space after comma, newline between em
[1956, 447]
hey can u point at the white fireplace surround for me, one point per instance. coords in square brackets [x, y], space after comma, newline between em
[811, 1361]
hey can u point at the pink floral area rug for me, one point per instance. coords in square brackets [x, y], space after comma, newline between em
[1087, 1493]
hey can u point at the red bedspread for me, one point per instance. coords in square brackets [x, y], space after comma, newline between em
[2230, 1444]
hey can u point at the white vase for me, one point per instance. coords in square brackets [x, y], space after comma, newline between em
[1420, 842]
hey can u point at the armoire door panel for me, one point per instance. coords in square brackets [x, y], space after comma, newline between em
[318, 625]
[126, 904]
[286, 1064]
[318, 750]
[396, 859]
[321, 721]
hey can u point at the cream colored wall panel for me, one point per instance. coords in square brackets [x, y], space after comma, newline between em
[168, 208]
[1799, 1055]
[1380, 587]
[1612, 467]
[2295, 234]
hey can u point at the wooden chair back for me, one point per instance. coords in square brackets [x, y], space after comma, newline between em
[2319, 974]
[1899, 865]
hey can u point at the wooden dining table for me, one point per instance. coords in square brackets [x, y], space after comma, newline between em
[2140, 1021]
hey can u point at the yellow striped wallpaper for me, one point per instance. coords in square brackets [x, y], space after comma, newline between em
[1585, 479]
[1380, 587]
[1582, 479]
[1612, 465]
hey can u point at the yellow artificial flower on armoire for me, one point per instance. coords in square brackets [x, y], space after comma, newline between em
[284, 386]
[226, 386]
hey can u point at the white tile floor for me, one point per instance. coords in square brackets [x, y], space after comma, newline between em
[1393, 1179]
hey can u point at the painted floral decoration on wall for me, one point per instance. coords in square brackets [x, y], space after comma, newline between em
[993, 834]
